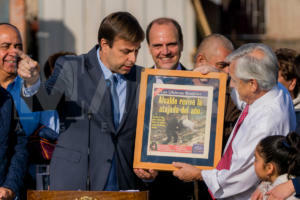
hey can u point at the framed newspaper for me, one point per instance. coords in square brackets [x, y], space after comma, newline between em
[180, 119]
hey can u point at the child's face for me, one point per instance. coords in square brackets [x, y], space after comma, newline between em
[260, 167]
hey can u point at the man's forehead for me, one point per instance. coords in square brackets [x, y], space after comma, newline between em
[6, 27]
[163, 29]
[8, 31]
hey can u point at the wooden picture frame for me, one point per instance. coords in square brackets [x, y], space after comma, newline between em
[180, 119]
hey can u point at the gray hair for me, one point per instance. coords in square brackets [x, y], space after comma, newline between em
[264, 70]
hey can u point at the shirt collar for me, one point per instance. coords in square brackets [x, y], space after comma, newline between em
[107, 73]
[179, 67]
[268, 97]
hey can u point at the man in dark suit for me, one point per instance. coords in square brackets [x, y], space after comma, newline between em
[13, 153]
[165, 43]
[95, 152]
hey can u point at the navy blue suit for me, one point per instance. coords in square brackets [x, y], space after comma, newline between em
[13, 152]
[296, 183]
[87, 109]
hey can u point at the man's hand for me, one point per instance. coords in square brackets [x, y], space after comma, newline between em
[28, 69]
[257, 195]
[282, 191]
[187, 172]
[6, 194]
[146, 174]
[205, 69]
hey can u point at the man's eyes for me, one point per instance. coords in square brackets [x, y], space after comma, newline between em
[125, 51]
[4, 46]
[7, 46]
[18, 46]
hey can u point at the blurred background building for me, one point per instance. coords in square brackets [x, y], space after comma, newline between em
[49, 26]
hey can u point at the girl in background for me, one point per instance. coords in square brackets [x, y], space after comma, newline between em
[277, 159]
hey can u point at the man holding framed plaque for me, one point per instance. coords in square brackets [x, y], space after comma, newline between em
[165, 42]
[95, 152]
[253, 70]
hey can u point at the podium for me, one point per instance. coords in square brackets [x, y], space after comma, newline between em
[85, 195]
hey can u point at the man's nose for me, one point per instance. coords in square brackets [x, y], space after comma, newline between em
[132, 57]
[13, 51]
[165, 50]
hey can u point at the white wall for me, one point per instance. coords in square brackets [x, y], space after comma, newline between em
[72, 25]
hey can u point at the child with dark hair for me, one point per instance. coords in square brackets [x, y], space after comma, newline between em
[277, 159]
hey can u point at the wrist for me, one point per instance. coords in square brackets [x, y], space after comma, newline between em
[29, 83]
[199, 177]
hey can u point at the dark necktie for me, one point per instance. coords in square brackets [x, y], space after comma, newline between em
[115, 99]
[112, 181]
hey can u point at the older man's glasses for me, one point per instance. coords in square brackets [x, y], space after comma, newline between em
[222, 64]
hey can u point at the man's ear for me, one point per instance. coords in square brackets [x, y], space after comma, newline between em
[104, 44]
[292, 85]
[200, 59]
[253, 85]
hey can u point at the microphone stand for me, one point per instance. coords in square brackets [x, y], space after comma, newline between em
[88, 181]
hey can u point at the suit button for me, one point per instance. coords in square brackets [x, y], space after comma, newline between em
[109, 160]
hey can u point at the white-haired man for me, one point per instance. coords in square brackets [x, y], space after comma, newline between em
[253, 70]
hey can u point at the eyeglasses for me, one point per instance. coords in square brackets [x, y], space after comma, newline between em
[222, 64]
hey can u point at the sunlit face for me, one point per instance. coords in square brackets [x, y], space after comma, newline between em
[260, 167]
[242, 87]
[10, 42]
[121, 57]
[164, 46]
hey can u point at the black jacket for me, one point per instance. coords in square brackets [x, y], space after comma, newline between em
[13, 152]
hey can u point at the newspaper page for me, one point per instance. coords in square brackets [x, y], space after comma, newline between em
[180, 121]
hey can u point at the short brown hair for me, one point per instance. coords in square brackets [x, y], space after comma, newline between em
[165, 20]
[122, 25]
[286, 59]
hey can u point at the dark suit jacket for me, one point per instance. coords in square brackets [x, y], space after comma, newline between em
[87, 108]
[13, 153]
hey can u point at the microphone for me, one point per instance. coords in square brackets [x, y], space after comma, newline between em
[88, 181]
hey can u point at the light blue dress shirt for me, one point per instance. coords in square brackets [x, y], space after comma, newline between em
[121, 86]
[112, 182]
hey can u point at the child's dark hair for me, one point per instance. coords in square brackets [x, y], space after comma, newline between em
[284, 152]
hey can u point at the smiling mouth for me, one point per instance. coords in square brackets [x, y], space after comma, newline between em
[11, 61]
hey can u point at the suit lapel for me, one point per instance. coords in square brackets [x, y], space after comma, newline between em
[100, 100]
[131, 94]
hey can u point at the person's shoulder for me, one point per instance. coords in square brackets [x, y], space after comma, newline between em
[4, 94]
[184, 68]
[135, 73]
[6, 101]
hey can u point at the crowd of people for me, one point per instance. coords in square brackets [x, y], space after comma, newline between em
[88, 108]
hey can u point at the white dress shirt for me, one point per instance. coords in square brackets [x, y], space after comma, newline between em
[271, 114]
